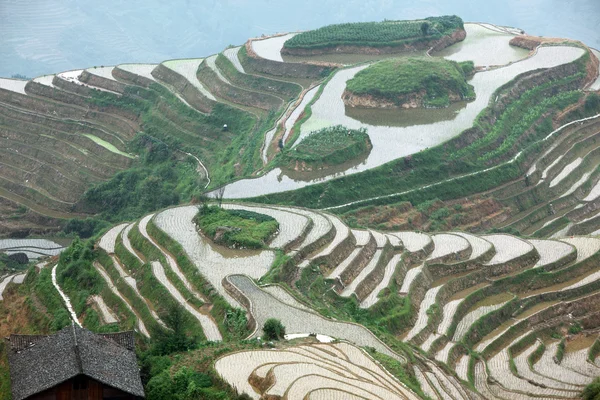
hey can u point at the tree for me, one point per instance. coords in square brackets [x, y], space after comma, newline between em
[592, 391]
[273, 329]
[424, 28]
[174, 339]
[219, 194]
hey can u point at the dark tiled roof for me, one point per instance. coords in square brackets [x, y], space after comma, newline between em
[48, 361]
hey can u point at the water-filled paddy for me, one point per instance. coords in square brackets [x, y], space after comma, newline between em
[485, 47]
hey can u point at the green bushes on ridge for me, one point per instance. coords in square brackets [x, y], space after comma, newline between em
[376, 34]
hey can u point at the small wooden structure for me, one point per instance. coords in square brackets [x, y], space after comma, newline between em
[74, 364]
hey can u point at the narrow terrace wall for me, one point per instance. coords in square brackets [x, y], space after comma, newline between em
[132, 78]
[102, 82]
[190, 93]
[360, 262]
[376, 276]
[292, 70]
[234, 94]
[439, 270]
[67, 104]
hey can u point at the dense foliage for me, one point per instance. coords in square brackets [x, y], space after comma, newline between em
[393, 80]
[386, 33]
[273, 329]
[236, 228]
[329, 146]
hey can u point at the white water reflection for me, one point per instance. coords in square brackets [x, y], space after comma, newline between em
[484, 47]
[390, 143]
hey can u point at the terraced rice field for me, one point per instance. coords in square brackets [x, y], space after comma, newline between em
[350, 289]
[140, 323]
[270, 48]
[447, 244]
[390, 268]
[33, 248]
[507, 248]
[213, 263]
[413, 241]
[566, 171]
[298, 110]
[144, 70]
[210, 61]
[209, 327]
[329, 110]
[187, 69]
[106, 313]
[142, 226]
[464, 299]
[265, 306]
[104, 72]
[551, 251]
[232, 55]
[14, 85]
[316, 371]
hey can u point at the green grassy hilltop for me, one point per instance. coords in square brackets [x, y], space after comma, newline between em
[434, 82]
[327, 147]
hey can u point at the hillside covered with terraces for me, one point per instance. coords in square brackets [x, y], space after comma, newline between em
[449, 252]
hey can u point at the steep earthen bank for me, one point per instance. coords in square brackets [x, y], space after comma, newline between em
[409, 100]
[402, 47]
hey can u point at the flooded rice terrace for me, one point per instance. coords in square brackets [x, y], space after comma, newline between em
[398, 133]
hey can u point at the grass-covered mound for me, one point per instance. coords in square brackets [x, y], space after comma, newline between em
[410, 83]
[375, 34]
[236, 228]
[327, 147]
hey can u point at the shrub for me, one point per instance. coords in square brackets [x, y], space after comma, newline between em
[592, 391]
[273, 329]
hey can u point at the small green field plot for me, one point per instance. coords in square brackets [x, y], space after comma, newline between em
[237, 228]
[107, 145]
[375, 34]
[424, 81]
[329, 146]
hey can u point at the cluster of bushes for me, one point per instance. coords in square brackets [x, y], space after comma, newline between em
[236, 228]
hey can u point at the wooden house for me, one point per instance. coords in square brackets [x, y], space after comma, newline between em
[74, 364]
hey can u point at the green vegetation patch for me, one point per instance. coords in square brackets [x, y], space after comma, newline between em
[236, 228]
[376, 34]
[436, 80]
[329, 146]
